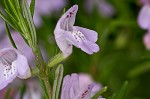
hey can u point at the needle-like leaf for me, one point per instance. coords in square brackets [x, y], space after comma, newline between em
[57, 81]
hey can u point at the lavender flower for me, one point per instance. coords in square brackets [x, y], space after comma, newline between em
[22, 46]
[145, 1]
[104, 7]
[67, 35]
[85, 80]
[13, 64]
[72, 90]
[46, 7]
[146, 41]
[144, 16]
[34, 90]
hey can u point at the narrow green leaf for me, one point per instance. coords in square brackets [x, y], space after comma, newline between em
[17, 3]
[13, 20]
[104, 89]
[23, 90]
[9, 36]
[113, 96]
[32, 6]
[14, 10]
[8, 21]
[139, 69]
[122, 92]
[44, 88]
[57, 81]
[7, 5]
[28, 16]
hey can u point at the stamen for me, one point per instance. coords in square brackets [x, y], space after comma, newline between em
[78, 36]
[6, 60]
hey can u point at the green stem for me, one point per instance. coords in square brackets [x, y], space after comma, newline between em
[43, 76]
[40, 62]
[48, 87]
[34, 71]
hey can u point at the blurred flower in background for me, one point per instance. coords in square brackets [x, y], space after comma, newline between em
[75, 88]
[105, 8]
[144, 16]
[145, 1]
[2, 93]
[45, 8]
[33, 90]
[144, 21]
[6, 90]
[146, 40]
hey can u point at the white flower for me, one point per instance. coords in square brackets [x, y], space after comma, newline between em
[12, 64]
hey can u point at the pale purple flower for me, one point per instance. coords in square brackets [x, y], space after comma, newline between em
[22, 46]
[145, 1]
[71, 88]
[104, 7]
[144, 17]
[2, 92]
[33, 91]
[12, 64]
[67, 35]
[146, 41]
[85, 80]
[46, 7]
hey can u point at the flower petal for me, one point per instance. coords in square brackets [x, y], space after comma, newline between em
[63, 44]
[70, 87]
[22, 67]
[144, 17]
[89, 34]
[85, 80]
[79, 40]
[8, 71]
[86, 93]
[66, 82]
[74, 89]
[69, 17]
[89, 47]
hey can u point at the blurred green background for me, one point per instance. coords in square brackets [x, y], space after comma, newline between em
[122, 57]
